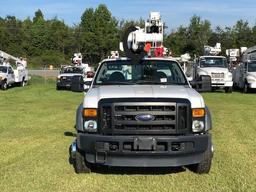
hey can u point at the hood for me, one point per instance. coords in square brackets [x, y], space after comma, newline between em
[3, 74]
[142, 91]
[210, 70]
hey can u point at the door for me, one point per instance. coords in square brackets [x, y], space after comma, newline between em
[10, 76]
[241, 75]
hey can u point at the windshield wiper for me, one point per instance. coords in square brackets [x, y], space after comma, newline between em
[157, 82]
[117, 83]
[151, 82]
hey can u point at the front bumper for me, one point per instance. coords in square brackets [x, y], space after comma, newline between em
[252, 85]
[222, 83]
[143, 151]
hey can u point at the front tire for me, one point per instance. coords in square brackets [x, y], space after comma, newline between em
[22, 83]
[4, 86]
[80, 164]
[228, 89]
[205, 165]
[246, 88]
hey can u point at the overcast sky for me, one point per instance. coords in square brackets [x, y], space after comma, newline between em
[174, 12]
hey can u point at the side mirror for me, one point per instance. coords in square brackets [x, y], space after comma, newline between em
[193, 84]
[202, 84]
[87, 85]
[190, 79]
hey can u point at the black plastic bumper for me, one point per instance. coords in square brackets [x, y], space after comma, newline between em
[63, 84]
[143, 151]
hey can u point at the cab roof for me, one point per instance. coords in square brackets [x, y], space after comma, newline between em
[213, 56]
[145, 59]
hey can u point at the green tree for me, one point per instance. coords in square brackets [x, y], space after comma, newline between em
[242, 34]
[199, 33]
[98, 33]
[38, 16]
[176, 41]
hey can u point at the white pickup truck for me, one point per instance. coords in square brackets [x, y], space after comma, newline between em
[142, 114]
[10, 76]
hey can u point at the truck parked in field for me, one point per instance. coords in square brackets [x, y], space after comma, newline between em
[9, 75]
[73, 76]
[64, 79]
[216, 67]
[142, 112]
[245, 73]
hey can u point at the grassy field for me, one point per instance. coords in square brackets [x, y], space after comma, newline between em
[34, 150]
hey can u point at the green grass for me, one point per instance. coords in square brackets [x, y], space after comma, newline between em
[34, 150]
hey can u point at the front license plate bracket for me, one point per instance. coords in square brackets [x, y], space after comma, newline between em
[144, 144]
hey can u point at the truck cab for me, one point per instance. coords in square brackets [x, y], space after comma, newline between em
[142, 114]
[217, 68]
[12, 71]
[7, 77]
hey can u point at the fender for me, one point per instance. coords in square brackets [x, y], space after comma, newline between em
[208, 119]
[79, 118]
[2, 81]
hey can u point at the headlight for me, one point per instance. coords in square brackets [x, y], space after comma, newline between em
[230, 76]
[90, 120]
[197, 126]
[90, 126]
[250, 79]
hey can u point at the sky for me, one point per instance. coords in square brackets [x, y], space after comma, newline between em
[174, 12]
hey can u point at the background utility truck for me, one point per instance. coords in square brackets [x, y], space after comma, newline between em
[142, 112]
[245, 73]
[73, 76]
[216, 67]
[10, 75]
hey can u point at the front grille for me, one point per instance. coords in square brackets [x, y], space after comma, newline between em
[218, 75]
[121, 116]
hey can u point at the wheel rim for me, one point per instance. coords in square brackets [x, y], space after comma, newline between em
[5, 86]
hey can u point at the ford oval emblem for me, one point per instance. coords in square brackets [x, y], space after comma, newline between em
[145, 117]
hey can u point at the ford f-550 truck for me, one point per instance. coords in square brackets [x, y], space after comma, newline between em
[142, 114]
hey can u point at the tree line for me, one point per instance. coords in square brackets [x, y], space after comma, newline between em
[52, 42]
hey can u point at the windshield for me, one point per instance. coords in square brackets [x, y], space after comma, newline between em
[213, 62]
[147, 72]
[72, 70]
[252, 66]
[3, 69]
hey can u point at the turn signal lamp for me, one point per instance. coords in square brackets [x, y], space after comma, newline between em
[90, 112]
[198, 112]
